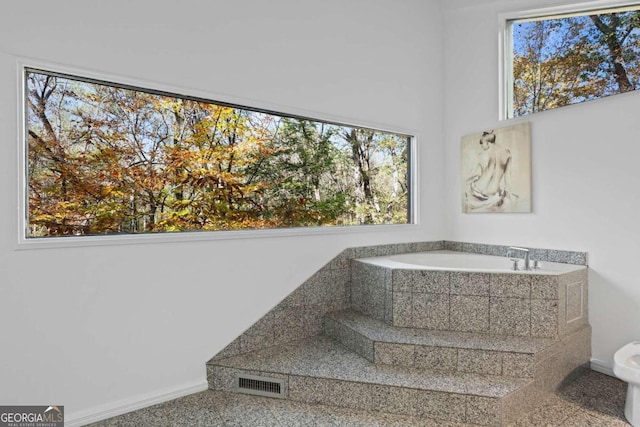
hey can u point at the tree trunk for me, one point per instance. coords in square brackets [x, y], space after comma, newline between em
[610, 36]
[361, 157]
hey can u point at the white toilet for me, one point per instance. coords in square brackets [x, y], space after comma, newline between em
[626, 366]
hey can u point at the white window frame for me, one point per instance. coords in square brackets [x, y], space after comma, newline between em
[505, 43]
[22, 220]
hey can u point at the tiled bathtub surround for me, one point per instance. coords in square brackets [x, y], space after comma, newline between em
[518, 304]
[329, 289]
[481, 348]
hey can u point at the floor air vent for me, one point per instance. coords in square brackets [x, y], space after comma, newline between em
[260, 386]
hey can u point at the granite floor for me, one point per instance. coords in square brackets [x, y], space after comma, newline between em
[592, 399]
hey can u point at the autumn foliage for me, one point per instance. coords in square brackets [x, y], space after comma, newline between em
[566, 60]
[108, 160]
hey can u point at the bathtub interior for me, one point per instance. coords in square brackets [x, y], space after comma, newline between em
[447, 260]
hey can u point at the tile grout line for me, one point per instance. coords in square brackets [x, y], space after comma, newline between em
[448, 274]
[491, 295]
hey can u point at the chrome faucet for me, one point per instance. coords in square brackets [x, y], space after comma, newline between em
[525, 251]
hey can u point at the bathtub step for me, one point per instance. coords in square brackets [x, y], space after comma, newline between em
[382, 343]
[319, 370]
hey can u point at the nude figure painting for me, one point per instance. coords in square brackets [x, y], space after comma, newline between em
[496, 170]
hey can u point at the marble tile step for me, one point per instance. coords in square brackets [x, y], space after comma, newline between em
[319, 370]
[452, 351]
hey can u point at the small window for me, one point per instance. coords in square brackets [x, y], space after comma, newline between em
[108, 159]
[562, 59]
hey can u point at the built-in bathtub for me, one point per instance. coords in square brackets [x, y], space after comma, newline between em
[464, 292]
[461, 261]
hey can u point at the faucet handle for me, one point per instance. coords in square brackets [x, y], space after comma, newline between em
[515, 262]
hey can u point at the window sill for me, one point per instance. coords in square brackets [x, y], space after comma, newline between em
[201, 236]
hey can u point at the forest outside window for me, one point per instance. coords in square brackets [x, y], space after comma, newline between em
[563, 59]
[109, 159]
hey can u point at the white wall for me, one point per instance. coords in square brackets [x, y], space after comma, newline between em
[97, 327]
[585, 173]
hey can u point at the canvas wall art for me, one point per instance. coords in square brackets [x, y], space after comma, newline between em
[496, 170]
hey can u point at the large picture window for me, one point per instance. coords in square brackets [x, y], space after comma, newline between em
[105, 159]
[567, 58]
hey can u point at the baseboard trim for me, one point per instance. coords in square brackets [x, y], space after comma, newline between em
[602, 367]
[120, 407]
